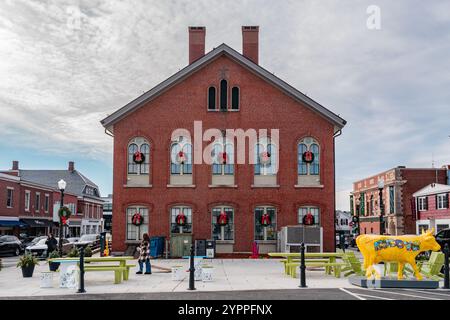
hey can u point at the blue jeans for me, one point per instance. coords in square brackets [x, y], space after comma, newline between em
[148, 267]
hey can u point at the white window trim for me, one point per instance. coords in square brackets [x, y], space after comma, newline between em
[441, 200]
[12, 197]
[421, 203]
[27, 203]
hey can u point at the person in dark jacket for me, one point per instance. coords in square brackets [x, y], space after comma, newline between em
[51, 243]
[144, 255]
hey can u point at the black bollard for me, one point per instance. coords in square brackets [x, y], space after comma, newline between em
[81, 289]
[302, 266]
[446, 268]
[191, 270]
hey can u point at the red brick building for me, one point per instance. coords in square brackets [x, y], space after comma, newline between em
[35, 200]
[399, 184]
[224, 90]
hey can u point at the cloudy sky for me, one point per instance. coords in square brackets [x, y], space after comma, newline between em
[65, 65]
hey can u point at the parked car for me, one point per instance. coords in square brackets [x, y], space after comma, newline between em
[92, 239]
[40, 248]
[30, 241]
[443, 237]
[73, 239]
[11, 245]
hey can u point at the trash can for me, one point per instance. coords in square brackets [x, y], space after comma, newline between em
[200, 247]
[161, 244]
[210, 248]
[177, 273]
[154, 247]
[46, 280]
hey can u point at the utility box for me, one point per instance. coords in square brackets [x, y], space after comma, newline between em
[210, 248]
[180, 245]
[292, 236]
[200, 247]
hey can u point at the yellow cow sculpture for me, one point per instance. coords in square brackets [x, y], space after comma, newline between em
[400, 249]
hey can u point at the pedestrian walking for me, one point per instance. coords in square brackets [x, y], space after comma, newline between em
[144, 255]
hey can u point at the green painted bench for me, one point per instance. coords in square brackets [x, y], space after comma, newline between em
[336, 266]
[120, 272]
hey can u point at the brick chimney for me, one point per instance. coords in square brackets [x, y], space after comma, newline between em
[250, 42]
[71, 166]
[15, 165]
[196, 43]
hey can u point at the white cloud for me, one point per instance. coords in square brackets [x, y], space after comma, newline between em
[57, 82]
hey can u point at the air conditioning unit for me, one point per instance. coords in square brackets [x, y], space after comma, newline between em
[291, 237]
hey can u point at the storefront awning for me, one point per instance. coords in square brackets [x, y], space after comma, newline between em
[11, 223]
[38, 223]
[74, 223]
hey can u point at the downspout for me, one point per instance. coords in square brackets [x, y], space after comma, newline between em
[336, 134]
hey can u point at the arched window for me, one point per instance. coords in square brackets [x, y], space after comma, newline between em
[308, 167]
[266, 157]
[265, 223]
[235, 98]
[223, 232]
[181, 157]
[223, 95]
[174, 212]
[212, 98]
[223, 158]
[135, 232]
[136, 166]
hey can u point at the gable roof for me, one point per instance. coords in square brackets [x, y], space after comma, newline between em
[433, 188]
[76, 182]
[223, 49]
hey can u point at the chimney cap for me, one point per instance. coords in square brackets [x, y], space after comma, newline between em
[250, 28]
[196, 28]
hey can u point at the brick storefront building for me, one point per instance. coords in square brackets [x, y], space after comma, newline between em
[36, 201]
[225, 90]
[399, 210]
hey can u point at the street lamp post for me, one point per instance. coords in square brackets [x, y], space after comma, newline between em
[380, 189]
[62, 186]
[358, 202]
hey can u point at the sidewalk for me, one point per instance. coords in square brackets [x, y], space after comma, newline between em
[229, 275]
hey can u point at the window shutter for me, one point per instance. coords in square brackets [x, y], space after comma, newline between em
[413, 209]
[436, 201]
[426, 203]
[446, 199]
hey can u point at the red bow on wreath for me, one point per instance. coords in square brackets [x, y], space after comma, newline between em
[265, 157]
[308, 156]
[63, 220]
[223, 219]
[137, 219]
[308, 219]
[222, 157]
[265, 220]
[181, 157]
[138, 157]
[180, 220]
